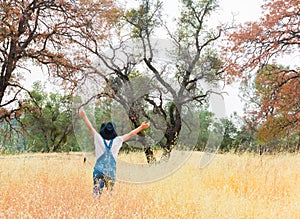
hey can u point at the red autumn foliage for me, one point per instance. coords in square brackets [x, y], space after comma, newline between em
[252, 48]
[278, 92]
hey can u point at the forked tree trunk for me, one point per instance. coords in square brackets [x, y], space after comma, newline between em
[172, 131]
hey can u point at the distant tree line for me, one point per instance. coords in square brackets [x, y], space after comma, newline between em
[70, 40]
[45, 125]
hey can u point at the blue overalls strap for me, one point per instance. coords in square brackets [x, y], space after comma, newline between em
[108, 147]
[106, 163]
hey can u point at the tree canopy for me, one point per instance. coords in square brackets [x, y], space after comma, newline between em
[142, 80]
[252, 53]
[37, 32]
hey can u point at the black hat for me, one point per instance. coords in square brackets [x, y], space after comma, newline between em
[108, 130]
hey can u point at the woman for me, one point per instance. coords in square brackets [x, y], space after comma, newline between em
[107, 145]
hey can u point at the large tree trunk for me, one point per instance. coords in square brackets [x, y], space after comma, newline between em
[173, 130]
[7, 68]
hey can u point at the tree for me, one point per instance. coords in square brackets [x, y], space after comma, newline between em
[251, 49]
[43, 33]
[47, 121]
[206, 120]
[279, 108]
[230, 132]
[193, 62]
[12, 138]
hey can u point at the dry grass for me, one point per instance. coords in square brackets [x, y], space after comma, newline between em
[59, 186]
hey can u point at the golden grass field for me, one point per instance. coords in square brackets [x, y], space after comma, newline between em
[232, 186]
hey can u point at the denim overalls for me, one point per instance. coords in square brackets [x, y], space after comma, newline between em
[104, 173]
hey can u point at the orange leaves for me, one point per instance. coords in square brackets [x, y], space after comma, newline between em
[253, 47]
[256, 42]
[278, 90]
[271, 129]
[4, 112]
[51, 33]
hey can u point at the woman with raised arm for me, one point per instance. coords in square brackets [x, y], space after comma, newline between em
[107, 145]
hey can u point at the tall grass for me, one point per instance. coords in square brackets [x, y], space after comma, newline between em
[232, 186]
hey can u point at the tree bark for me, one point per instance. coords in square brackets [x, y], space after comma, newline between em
[173, 130]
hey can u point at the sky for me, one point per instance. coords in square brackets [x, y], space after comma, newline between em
[242, 10]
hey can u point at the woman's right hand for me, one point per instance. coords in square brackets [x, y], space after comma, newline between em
[145, 125]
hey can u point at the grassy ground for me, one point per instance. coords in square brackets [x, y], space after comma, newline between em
[232, 186]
